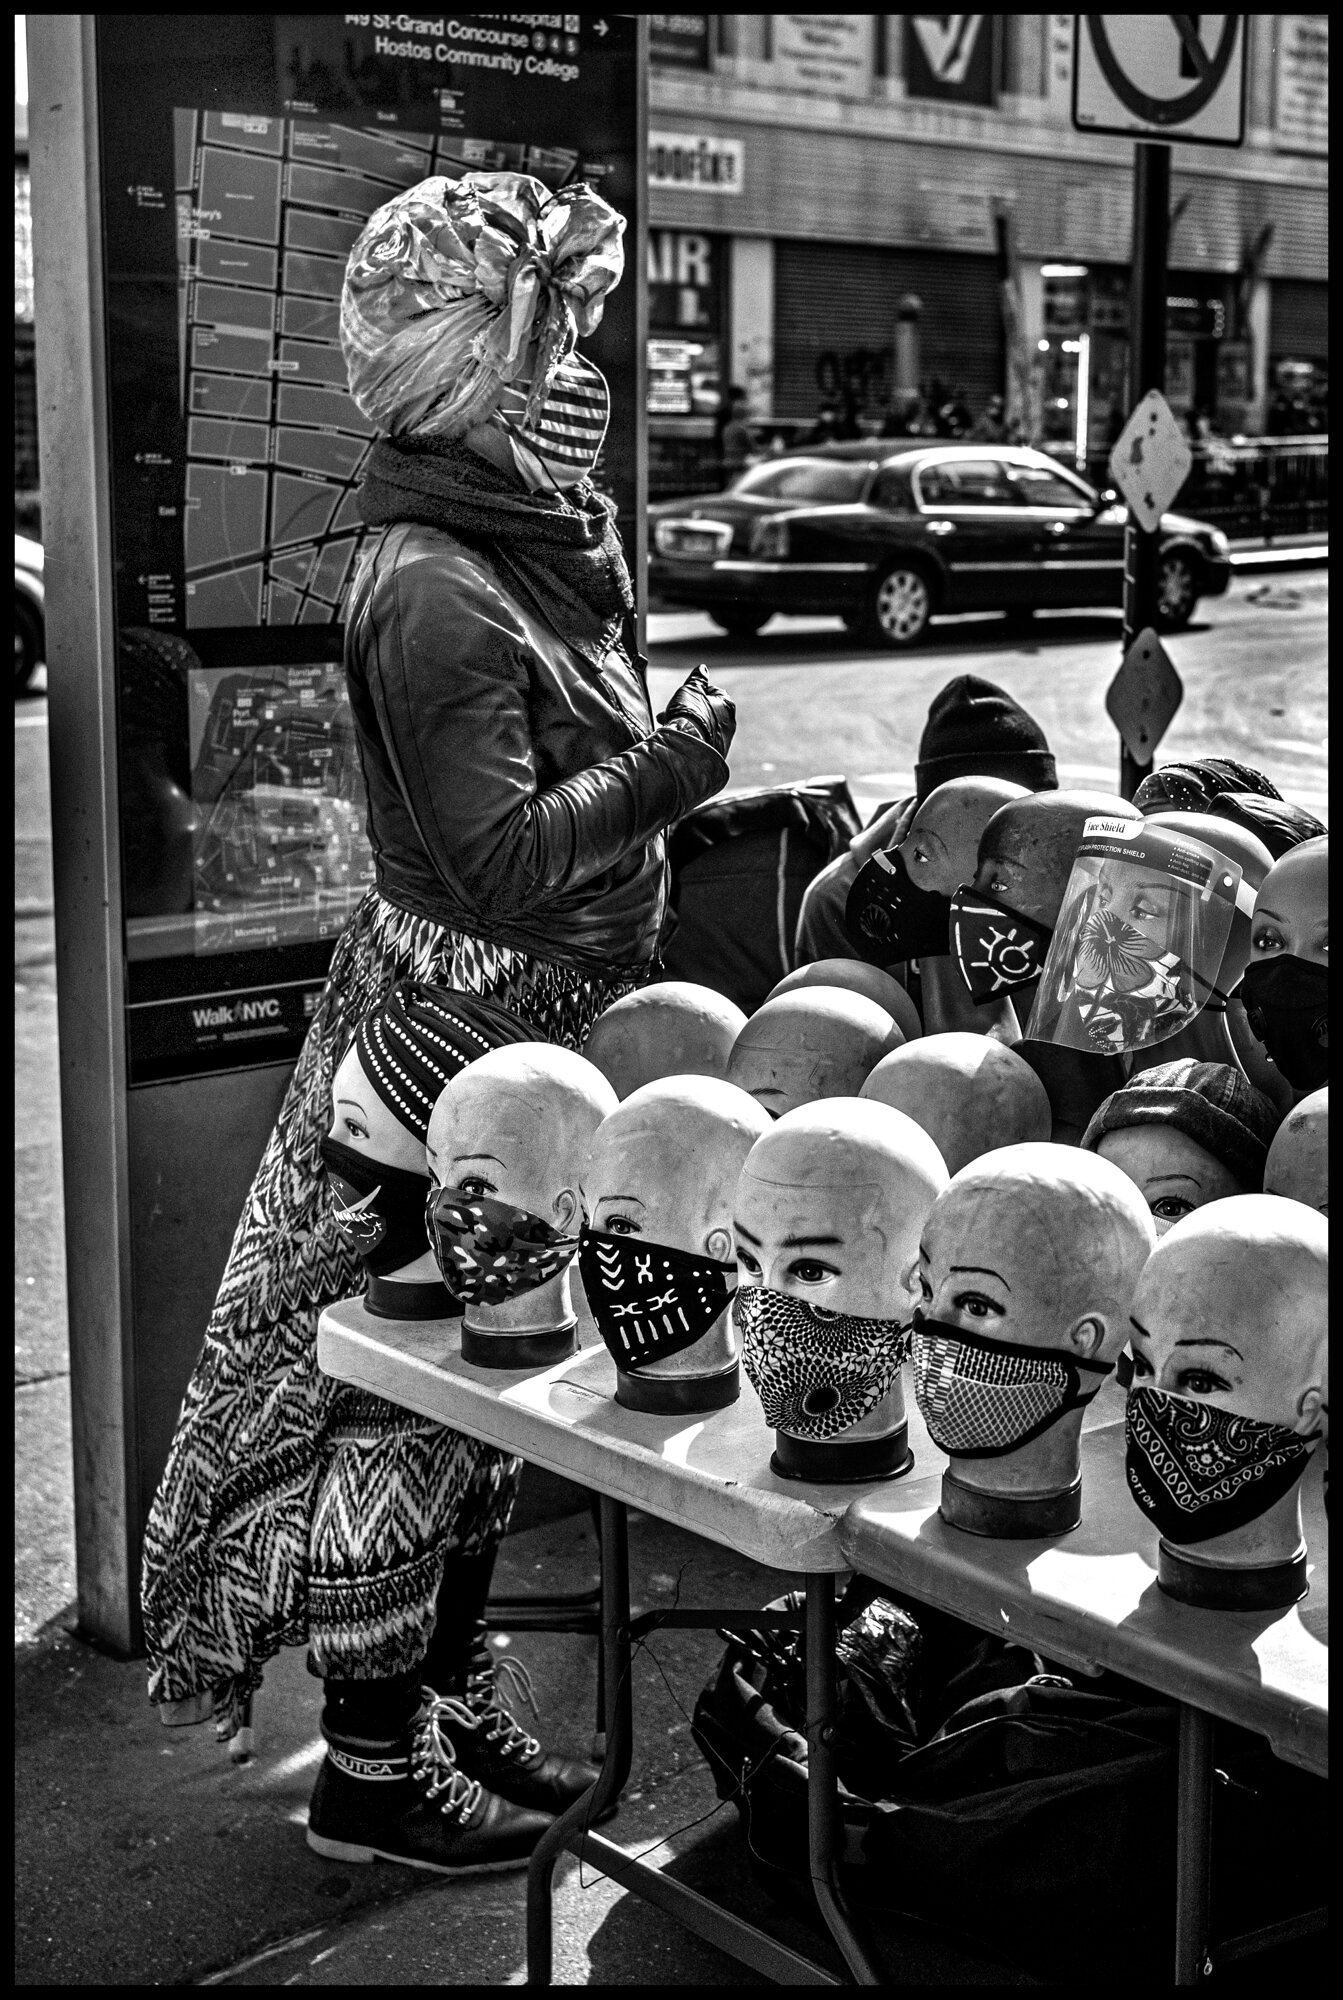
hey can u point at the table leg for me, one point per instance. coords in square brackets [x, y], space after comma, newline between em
[824, 1828]
[1193, 1846]
[618, 1718]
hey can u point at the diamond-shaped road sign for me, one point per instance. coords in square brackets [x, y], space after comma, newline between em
[1144, 695]
[1151, 459]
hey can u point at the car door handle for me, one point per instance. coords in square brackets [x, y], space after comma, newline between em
[941, 527]
[1058, 527]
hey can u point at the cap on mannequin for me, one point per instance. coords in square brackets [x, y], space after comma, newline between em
[1298, 1160]
[969, 1093]
[1026, 851]
[663, 1166]
[674, 1028]
[854, 975]
[940, 850]
[516, 1125]
[814, 1042]
[1186, 1133]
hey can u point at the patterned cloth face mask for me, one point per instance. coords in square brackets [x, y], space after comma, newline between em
[816, 1372]
[890, 918]
[648, 1299]
[490, 1251]
[996, 947]
[1198, 1471]
[378, 1209]
[982, 1397]
[562, 443]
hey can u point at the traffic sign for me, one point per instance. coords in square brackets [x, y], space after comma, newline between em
[1161, 76]
[1143, 697]
[1151, 460]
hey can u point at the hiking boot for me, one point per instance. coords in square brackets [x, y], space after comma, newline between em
[392, 1802]
[492, 1747]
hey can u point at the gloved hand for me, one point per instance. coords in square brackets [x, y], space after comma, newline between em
[699, 706]
[886, 832]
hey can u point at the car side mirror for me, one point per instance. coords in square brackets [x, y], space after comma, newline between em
[1106, 499]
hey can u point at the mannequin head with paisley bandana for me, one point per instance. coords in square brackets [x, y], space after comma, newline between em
[658, 1257]
[1027, 1269]
[1227, 1404]
[506, 1146]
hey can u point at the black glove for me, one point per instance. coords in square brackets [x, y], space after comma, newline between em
[699, 706]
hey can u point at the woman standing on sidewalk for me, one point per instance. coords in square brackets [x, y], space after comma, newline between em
[518, 798]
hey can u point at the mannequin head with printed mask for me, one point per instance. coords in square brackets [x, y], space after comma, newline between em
[361, 1122]
[1027, 1269]
[1229, 1336]
[969, 1094]
[828, 1213]
[673, 1028]
[851, 975]
[658, 1260]
[1285, 990]
[814, 1042]
[506, 1146]
[1298, 1159]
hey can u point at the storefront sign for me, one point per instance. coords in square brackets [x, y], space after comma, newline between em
[684, 378]
[950, 56]
[679, 41]
[829, 53]
[1303, 83]
[683, 279]
[692, 160]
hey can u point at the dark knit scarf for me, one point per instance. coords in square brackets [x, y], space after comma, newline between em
[563, 547]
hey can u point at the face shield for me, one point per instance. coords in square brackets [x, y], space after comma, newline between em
[1139, 940]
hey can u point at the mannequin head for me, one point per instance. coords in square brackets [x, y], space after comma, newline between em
[516, 1127]
[1298, 1160]
[969, 1093]
[940, 850]
[1238, 844]
[853, 975]
[361, 1120]
[829, 1208]
[1186, 1133]
[814, 1042]
[1291, 909]
[1035, 1246]
[674, 1028]
[662, 1169]
[1285, 991]
[1026, 851]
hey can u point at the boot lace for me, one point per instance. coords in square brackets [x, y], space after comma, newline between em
[488, 1688]
[433, 1758]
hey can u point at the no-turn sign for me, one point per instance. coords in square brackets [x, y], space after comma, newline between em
[1161, 76]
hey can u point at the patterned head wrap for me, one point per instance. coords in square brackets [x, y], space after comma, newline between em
[423, 1036]
[458, 287]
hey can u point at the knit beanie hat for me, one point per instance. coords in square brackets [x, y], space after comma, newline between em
[976, 730]
[1278, 823]
[1192, 786]
[1211, 1103]
[421, 1038]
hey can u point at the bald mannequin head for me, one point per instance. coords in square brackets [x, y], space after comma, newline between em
[940, 850]
[1232, 1310]
[674, 1028]
[812, 1043]
[1039, 1245]
[969, 1093]
[1298, 1159]
[1026, 851]
[1291, 910]
[1238, 844]
[664, 1164]
[854, 975]
[517, 1124]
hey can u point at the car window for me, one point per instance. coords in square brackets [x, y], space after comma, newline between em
[966, 482]
[891, 490]
[828, 481]
[1038, 486]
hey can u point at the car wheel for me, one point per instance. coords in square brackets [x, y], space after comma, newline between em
[743, 624]
[900, 606]
[1176, 593]
[27, 643]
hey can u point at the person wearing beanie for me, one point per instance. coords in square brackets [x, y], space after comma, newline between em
[974, 730]
[1186, 1133]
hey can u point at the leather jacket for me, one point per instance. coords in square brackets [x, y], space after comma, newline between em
[514, 790]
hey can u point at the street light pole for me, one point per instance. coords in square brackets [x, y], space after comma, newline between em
[1147, 359]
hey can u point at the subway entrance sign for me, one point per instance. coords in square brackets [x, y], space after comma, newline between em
[199, 180]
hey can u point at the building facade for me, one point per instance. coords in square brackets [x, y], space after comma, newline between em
[887, 204]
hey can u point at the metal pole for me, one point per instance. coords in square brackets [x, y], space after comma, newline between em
[1193, 1838]
[825, 1829]
[1147, 370]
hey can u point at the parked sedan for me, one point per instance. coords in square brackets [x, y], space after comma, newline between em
[29, 610]
[887, 536]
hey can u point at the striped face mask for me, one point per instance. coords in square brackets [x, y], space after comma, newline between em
[561, 444]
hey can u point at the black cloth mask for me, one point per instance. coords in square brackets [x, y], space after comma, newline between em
[378, 1209]
[649, 1300]
[1287, 1006]
[1198, 1471]
[997, 949]
[982, 1397]
[890, 918]
[490, 1251]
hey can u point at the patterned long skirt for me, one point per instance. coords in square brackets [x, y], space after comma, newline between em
[295, 1509]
